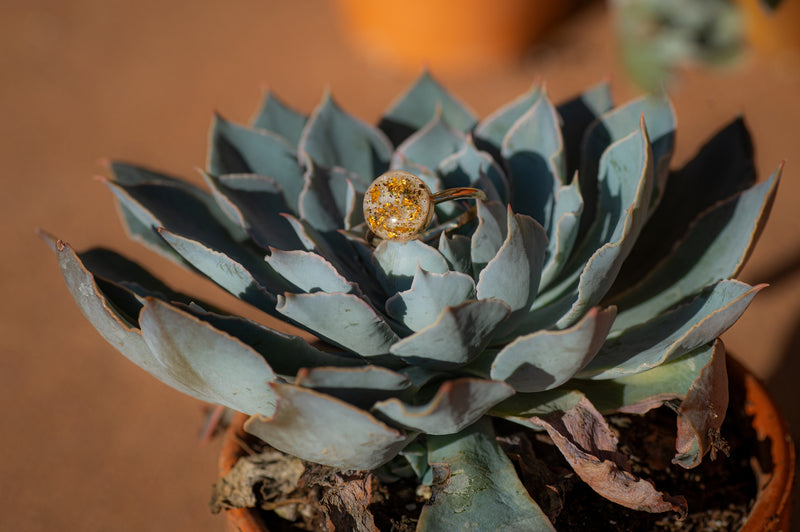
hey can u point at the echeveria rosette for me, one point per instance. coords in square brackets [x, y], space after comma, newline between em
[593, 280]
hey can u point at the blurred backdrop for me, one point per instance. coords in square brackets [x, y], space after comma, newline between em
[89, 442]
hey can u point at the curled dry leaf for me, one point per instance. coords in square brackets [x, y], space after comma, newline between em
[590, 447]
[703, 411]
[276, 474]
[345, 504]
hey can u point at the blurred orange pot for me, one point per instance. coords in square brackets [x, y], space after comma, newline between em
[447, 35]
[775, 470]
[773, 31]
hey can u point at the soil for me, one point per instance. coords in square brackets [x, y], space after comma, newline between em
[720, 491]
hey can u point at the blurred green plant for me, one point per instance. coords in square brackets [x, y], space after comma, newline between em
[657, 36]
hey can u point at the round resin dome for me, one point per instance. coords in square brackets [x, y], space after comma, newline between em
[398, 206]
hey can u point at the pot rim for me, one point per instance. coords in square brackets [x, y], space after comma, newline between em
[772, 509]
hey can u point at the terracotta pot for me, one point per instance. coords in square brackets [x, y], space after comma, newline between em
[447, 35]
[770, 513]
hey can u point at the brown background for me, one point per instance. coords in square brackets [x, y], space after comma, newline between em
[88, 441]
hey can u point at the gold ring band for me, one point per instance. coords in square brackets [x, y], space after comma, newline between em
[458, 193]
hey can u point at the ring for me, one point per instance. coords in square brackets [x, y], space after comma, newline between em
[399, 206]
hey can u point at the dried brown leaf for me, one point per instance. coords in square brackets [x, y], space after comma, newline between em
[702, 412]
[276, 474]
[346, 497]
[589, 445]
[345, 505]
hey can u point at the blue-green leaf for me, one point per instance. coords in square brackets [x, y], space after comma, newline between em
[417, 456]
[638, 393]
[563, 232]
[158, 205]
[132, 174]
[617, 124]
[361, 387]
[209, 361]
[145, 235]
[334, 138]
[325, 197]
[577, 115]
[420, 376]
[493, 129]
[457, 404]
[456, 250]
[477, 486]
[285, 353]
[430, 145]
[308, 271]
[534, 152]
[313, 240]
[722, 168]
[238, 149]
[546, 359]
[354, 207]
[351, 257]
[398, 262]
[343, 319]
[257, 204]
[232, 211]
[673, 333]
[278, 118]
[522, 407]
[429, 295]
[489, 188]
[490, 234]
[457, 336]
[716, 248]
[96, 307]
[469, 165]
[139, 219]
[110, 266]
[128, 174]
[626, 170]
[513, 274]
[417, 106]
[322, 429]
[230, 274]
[626, 182]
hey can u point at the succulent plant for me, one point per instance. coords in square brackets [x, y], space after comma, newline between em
[592, 280]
